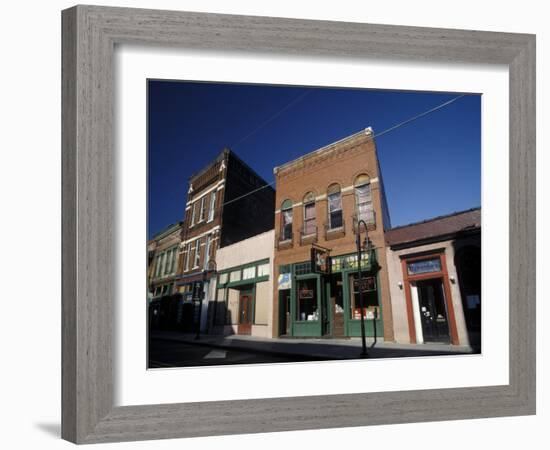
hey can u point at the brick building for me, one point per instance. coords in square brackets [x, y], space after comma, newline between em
[162, 262]
[319, 199]
[224, 205]
[435, 279]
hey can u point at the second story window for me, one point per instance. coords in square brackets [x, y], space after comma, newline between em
[334, 196]
[203, 208]
[187, 257]
[168, 263]
[197, 253]
[212, 206]
[193, 212]
[286, 220]
[363, 199]
[157, 265]
[309, 214]
[206, 252]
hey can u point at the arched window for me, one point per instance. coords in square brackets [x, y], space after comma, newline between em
[363, 199]
[334, 195]
[286, 220]
[309, 214]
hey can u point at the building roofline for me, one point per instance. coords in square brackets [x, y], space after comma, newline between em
[325, 149]
[166, 231]
[226, 152]
[238, 158]
[199, 172]
[444, 216]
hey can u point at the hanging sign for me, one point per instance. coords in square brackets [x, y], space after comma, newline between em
[320, 261]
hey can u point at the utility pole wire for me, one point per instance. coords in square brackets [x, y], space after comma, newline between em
[274, 116]
[425, 113]
[375, 135]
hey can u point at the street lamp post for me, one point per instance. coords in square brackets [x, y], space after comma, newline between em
[207, 271]
[364, 353]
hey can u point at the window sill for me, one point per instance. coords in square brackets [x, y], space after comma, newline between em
[287, 243]
[335, 233]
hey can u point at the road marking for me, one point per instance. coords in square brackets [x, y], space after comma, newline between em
[216, 354]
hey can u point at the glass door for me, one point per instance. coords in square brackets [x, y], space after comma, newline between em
[433, 310]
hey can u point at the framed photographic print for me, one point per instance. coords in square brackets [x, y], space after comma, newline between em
[248, 200]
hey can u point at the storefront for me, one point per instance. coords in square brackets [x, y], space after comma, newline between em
[429, 302]
[434, 270]
[243, 299]
[312, 304]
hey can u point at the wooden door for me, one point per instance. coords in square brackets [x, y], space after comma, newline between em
[245, 314]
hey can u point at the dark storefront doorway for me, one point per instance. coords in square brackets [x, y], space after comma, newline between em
[433, 312]
[284, 312]
[337, 302]
[245, 313]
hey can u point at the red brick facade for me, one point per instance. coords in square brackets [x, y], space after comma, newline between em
[342, 164]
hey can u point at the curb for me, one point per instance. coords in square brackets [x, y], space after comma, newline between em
[309, 356]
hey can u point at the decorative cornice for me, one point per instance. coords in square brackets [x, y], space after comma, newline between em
[325, 152]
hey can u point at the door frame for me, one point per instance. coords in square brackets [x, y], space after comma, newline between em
[437, 253]
[251, 312]
[440, 280]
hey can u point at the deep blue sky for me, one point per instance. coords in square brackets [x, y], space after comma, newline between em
[431, 166]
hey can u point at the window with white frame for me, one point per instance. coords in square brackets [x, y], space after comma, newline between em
[206, 252]
[212, 208]
[363, 199]
[193, 212]
[286, 220]
[203, 209]
[162, 262]
[335, 218]
[168, 263]
[197, 253]
[309, 214]
[157, 265]
[188, 256]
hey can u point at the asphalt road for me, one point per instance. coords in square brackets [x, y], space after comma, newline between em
[165, 353]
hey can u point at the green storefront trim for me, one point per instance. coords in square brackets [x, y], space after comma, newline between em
[305, 327]
[242, 268]
[325, 324]
[247, 286]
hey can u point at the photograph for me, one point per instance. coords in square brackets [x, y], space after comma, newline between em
[311, 223]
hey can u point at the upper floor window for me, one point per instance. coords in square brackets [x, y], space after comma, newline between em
[206, 252]
[363, 199]
[309, 213]
[203, 209]
[188, 256]
[286, 220]
[168, 264]
[197, 253]
[212, 206]
[193, 213]
[158, 264]
[335, 218]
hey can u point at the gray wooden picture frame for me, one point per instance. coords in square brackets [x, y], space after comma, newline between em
[89, 37]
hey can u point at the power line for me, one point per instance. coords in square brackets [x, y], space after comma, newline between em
[375, 135]
[418, 116]
[274, 116]
[249, 193]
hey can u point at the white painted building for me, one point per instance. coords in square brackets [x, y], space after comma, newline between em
[243, 297]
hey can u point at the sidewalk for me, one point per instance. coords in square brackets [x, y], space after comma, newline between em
[312, 347]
